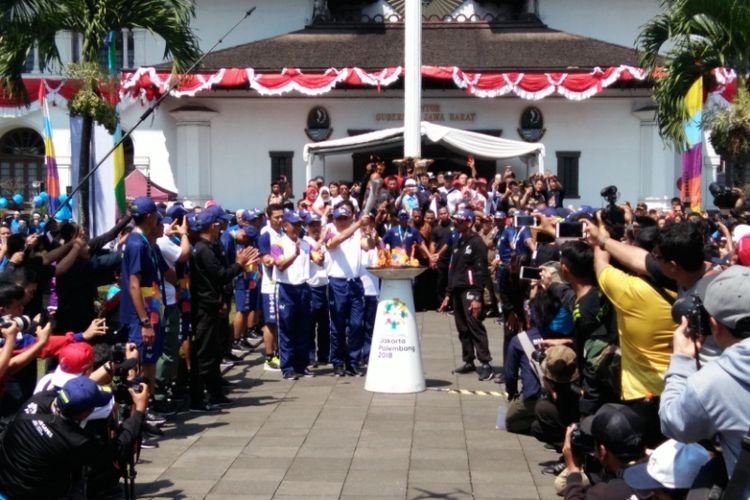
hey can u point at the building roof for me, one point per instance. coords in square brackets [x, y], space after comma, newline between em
[470, 46]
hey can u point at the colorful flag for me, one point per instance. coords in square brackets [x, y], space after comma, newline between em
[52, 184]
[119, 153]
[692, 158]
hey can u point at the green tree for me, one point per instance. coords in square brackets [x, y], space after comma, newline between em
[29, 24]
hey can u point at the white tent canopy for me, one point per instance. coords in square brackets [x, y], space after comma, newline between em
[480, 145]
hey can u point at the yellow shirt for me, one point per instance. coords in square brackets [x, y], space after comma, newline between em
[645, 327]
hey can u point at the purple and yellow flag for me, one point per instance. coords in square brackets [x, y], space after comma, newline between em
[692, 158]
[52, 184]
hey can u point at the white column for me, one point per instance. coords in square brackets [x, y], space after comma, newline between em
[656, 164]
[413, 78]
[193, 165]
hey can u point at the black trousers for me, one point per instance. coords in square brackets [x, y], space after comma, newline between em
[206, 352]
[471, 331]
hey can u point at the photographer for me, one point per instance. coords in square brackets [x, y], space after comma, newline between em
[44, 446]
[698, 404]
[617, 435]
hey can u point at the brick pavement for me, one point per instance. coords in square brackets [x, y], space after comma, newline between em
[328, 438]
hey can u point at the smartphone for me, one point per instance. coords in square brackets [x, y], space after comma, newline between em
[570, 230]
[524, 220]
[531, 273]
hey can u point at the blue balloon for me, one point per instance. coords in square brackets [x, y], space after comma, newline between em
[17, 198]
[3, 202]
[43, 195]
[63, 197]
[64, 214]
[38, 201]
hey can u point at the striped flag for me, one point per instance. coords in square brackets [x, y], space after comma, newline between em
[119, 153]
[52, 183]
[692, 158]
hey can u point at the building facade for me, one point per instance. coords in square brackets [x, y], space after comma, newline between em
[228, 143]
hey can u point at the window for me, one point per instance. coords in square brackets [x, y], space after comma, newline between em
[567, 172]
[22, 163]
[281, 164]
[125, 50]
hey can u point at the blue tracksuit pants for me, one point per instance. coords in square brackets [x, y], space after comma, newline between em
[294, 327]
[320, 335]
[347, 298]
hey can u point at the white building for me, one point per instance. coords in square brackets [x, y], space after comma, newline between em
[229, 143]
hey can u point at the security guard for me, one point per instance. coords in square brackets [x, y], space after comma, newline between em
[467, 275]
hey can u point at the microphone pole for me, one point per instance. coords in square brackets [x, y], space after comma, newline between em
[150, 110]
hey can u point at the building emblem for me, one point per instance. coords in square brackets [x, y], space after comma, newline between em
[532, 125]
[318, 124]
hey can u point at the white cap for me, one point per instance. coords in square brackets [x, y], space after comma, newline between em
[739, 231]
[672, 465]
[410, 182]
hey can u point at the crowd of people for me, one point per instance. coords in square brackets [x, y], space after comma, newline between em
[624, 328]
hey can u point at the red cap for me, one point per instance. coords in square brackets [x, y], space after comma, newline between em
[482, 180]
[209, 203]
[743, 250]
[76, 358]
[457, 183]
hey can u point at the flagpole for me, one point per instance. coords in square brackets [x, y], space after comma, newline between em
[172, 85]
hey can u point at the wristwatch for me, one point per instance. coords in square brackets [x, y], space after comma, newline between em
[145, 323]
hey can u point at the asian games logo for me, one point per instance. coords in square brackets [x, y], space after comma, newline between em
[396, 313]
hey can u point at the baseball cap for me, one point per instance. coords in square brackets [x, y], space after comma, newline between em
[482, 180]
[618, 428]
[559, 364]
[464, 214]
[142, 205]
[291, 217]
[672, 465]
[740, 231]
[176, 211]
[341, 212]
[410, 183]
[80, 394]
[248, 215]
[75, 359]
[205, 219]
[403, 215]
[209, 203]
[500, 215]
[313, 217]
[725, 296]
[743, 250]
[448, 174]
[219, 212]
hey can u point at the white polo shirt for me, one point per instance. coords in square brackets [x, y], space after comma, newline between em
[318, 275]
[370, 282]
[299, 271]
[344, 261]
[268, 283]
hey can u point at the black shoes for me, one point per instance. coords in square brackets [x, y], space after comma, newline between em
[485, 372]
[338, 371]
[202, 407]
[465, 368]
[219, 401]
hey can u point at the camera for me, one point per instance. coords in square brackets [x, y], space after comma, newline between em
[538, 355]
[582, 444]
[612, 215]
[724, 196]
[692, 308]
[24, 323]
[609, 193]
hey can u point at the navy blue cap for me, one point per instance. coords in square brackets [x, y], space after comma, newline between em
[248, 215]
[313, 217]
[464, 214]
[80, 394]
[342, 212]
[142, 205]
[403, 215]
[303, 214]
[176, 210]
[550, 212]
[205, 219]
[219, 213]
[291, 217]
[500, 215]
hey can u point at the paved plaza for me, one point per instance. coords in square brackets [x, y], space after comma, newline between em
[327, 437]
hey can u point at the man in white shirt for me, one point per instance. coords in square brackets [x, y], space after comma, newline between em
[344, 244]
[292, 273]
[320, 335]
[270, 236]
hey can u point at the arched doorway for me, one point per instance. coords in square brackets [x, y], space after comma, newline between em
[21, 162]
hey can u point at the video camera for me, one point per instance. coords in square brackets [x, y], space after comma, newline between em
[612, 215]
[724, 197]
[692, 308]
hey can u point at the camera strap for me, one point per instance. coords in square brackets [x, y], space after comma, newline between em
[528, 349]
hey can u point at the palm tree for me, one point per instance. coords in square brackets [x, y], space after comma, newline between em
[26, 25]
[696, 37]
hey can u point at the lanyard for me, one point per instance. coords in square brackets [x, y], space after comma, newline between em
[155, 263]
